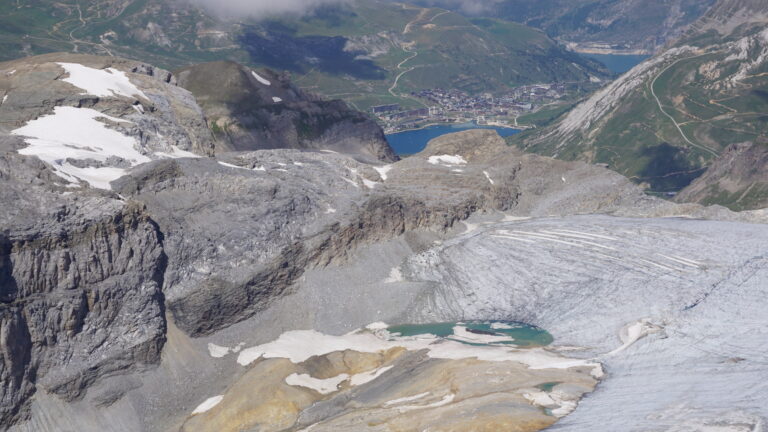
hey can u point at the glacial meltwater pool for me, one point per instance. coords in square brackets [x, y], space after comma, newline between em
[479, 332]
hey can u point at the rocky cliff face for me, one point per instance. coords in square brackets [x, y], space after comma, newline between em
[82, 271]
[80, 288]
[250, 110]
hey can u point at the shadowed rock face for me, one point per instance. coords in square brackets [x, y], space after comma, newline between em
[253, 110]
[80, 281]
[737, 179]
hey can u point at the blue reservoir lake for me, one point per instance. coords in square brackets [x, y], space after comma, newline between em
[413, 141]
[618, 63]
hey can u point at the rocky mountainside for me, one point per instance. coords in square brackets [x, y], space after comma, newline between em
[738, 178]
[599, 26]
[666, 120]
[136, 261]
[249, 110]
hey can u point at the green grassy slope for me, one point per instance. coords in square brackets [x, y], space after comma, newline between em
[623, 24]
[369, 52]
[668, 120]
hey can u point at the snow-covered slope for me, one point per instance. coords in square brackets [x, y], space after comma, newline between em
[109, 115]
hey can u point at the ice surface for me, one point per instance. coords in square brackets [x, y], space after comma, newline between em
[688, 342]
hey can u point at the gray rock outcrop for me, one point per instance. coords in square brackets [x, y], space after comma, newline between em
[80, 287]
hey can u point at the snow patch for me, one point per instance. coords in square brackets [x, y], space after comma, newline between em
[501, 326]
[276, 99]
[366, 377]
[101, 82]
[369, 184]
[559, 403]
[322, 386]
[442, 402]
[447, 160]
[378, 325]
[461, 333]
[217, 351]
[383, 170]
[405, 399]
[299, 345]
[350, 182]
[229, 165]
[5, 98]
[208, 404]
[176, 153]
[488, 176]
[261, 79]
[75, 133]
[395, 275]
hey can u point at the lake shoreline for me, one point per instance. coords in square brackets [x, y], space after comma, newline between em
[411, 141]
[449, 124]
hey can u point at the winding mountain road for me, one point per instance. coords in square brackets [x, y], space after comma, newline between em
[663, 111]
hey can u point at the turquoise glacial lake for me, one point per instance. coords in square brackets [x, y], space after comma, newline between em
[616, 63]
[479, 332]
[414, 141]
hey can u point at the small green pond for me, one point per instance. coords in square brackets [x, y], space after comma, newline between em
[479, 332]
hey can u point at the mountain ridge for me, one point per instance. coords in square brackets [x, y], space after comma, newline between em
[663, 122]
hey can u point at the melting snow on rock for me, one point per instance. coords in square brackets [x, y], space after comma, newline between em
[71, 134]
[101, 82]
[261, 79]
